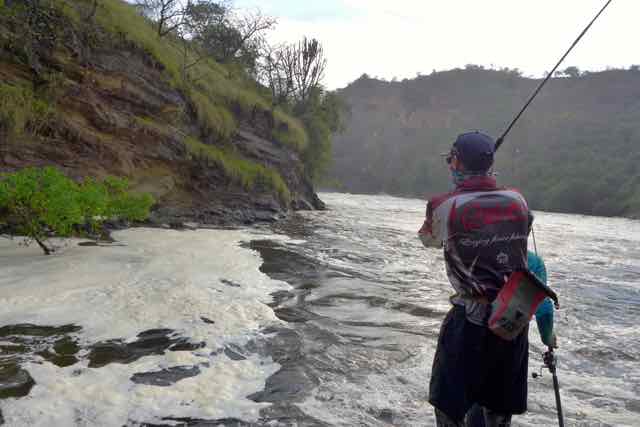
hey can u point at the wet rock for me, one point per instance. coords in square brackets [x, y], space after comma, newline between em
[206, 320]
[265, 216]
[166, 377]
[279, 297]
[53, 343]
[190, 422]
[63, 352]
[287, 414]
[27, 329]
[293, 382]
[302, 205]
[230, 283]
[289, 384]
[386, 415]
[186, 345]
[14, 381]
[234, 353]
[151, 342]
[293, 314]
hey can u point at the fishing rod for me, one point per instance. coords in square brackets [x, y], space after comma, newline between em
[500, 140]
[549, 359]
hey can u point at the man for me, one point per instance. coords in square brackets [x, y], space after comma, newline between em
[484, 231]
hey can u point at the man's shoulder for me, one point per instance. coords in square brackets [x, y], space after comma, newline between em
[513, 190]
[439, 199]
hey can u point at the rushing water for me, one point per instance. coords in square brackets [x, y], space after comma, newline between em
[174, 329]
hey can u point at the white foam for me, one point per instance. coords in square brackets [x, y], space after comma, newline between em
[161, 279]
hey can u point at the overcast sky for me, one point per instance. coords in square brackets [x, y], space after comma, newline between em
[400, 38]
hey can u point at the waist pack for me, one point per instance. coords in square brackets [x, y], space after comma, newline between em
[516, 303]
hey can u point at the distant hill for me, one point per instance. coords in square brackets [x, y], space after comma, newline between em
[577, 148]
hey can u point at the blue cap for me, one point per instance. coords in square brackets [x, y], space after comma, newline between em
[475, 151]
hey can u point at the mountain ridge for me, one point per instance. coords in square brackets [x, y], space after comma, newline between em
[572, 151]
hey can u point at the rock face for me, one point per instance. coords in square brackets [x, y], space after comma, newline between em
[116, 113]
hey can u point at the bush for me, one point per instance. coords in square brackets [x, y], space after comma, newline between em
[41, 202]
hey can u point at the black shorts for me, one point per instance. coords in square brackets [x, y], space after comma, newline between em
[472, 365]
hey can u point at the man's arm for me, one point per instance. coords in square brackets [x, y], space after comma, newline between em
[429, 233]
[544, 314]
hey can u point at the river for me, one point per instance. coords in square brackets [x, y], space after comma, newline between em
[325, 319]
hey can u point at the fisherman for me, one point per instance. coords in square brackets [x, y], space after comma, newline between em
[484, 231]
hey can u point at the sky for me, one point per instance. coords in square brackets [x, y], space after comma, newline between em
[403, 38]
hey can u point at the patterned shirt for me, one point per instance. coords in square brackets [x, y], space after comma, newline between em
[484, 231]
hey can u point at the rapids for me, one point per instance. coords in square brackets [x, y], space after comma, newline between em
[325, 319]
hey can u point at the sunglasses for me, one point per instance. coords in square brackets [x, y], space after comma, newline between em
[450, 155]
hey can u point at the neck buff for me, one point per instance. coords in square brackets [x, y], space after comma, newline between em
[458, 177]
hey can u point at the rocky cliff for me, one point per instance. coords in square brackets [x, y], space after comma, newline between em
[93, 93]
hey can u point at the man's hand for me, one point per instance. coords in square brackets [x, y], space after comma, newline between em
[550, 341]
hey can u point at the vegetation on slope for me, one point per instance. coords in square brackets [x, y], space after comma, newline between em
[222, 94]
[575, 150]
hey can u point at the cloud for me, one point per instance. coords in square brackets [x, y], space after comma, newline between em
[404, 37]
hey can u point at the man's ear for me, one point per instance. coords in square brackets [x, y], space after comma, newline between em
[457, 164]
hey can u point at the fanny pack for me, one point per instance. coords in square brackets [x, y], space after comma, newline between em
[516, 303]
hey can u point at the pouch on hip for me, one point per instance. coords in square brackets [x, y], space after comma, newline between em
[516, 303]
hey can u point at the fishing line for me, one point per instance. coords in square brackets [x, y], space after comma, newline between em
[541, 85]
[533, 234]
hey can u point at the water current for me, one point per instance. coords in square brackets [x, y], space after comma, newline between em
[325, 319]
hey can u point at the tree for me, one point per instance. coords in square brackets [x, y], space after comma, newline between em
[294, 73]
[324, 117]
[294, 70]
[41, 202]
[225, 35]
[572, 72]
[276, 73]
[166, 13]
[309, 65]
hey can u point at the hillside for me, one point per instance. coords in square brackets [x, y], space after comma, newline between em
[97, 92]
[575, 150]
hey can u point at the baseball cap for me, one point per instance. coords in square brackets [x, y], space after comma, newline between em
[474, 150]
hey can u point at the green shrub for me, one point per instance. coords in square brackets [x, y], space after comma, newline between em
[242, 171]
[42, 202]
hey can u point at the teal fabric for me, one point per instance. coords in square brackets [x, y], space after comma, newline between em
[457, 178]
[544, 314]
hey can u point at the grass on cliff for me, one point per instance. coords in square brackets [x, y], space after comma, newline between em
[21, 111]
[214, 90]
[244, 172]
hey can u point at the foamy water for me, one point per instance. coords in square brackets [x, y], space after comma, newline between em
[164, 329]
[160, 279]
